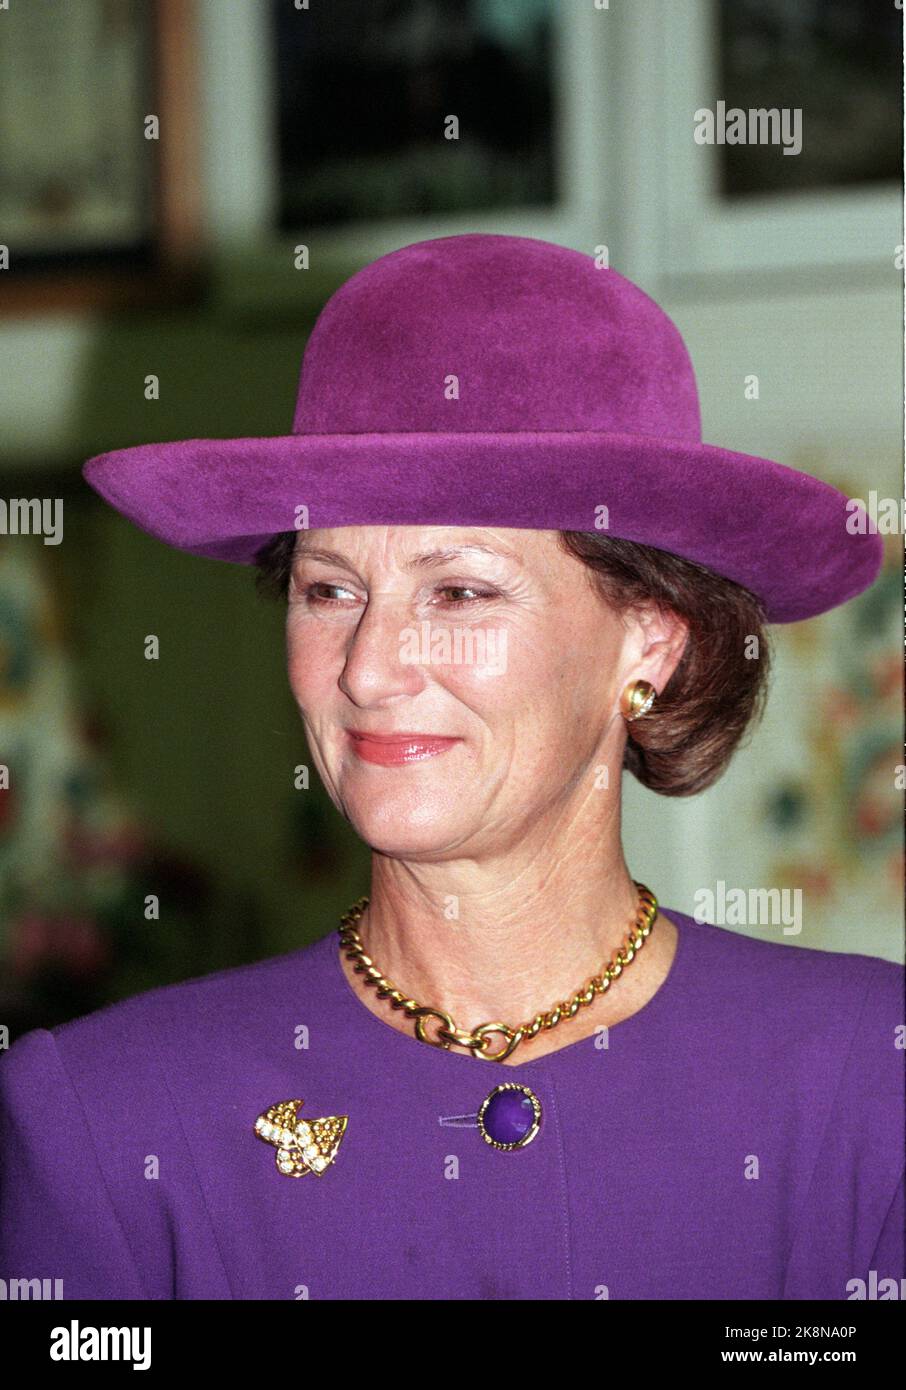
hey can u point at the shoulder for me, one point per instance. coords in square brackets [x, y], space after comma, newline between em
[814, 1023]
[209, 1016]
[812, 1042]
[783, 978]
[141, 1082]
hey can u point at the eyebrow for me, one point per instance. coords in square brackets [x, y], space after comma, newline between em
[427, 559]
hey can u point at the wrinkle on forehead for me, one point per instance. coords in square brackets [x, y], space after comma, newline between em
[422, 547]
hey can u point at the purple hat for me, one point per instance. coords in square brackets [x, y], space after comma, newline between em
[484, 380]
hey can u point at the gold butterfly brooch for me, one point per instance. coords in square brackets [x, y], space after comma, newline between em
[303, 1146]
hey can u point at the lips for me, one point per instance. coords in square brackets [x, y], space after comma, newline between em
[390, 750]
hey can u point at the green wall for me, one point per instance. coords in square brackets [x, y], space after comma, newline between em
[201, 743]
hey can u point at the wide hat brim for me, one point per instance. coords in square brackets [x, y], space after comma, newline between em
[791, 539]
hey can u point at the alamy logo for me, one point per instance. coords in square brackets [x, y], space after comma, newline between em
[77, 1343]
[753, 907]
[456, 646]
[875, 1288]
[758, 125]
[20, 1290]
[33, 516]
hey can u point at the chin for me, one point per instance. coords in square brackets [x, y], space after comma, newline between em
[403, 828]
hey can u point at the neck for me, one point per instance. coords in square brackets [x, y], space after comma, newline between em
[509, 937]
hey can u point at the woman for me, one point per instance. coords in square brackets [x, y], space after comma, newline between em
[511, 570]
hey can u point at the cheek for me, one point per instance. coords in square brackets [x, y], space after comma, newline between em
[489, 680]
[553, 699]
[528, 702]
[514, 674]
[314, 658]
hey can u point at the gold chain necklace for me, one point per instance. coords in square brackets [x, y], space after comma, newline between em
[447, 1034]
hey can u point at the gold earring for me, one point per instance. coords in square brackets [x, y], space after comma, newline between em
[638, 697]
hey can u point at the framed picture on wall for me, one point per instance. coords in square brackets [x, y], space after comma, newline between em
[421, 108]
[784, 138]
[98, 170]
[370, 124]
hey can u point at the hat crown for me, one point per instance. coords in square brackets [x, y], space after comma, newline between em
[497, 334]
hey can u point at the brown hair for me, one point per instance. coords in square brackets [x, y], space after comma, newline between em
[717, 690]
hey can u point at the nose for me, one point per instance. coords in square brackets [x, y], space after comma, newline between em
[374, 672]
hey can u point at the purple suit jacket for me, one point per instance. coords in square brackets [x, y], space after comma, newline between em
[741, 1136]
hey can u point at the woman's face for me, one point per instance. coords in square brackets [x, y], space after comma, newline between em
[490, 644]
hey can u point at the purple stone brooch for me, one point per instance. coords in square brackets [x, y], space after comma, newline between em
[509, 1117]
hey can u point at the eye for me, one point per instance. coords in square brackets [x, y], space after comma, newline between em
[313, 596]
[473, 594]
[326, 595]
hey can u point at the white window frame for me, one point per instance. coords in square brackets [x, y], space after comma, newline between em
[235, 44]
[830, 227]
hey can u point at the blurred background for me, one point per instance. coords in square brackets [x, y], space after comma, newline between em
[161, 164]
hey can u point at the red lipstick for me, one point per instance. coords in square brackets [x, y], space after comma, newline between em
[390, 750]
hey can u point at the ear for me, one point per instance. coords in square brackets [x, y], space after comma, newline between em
[661, 637]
